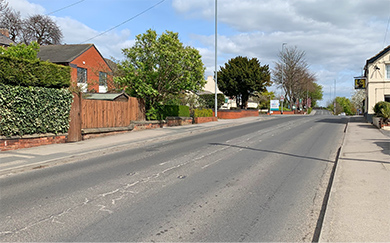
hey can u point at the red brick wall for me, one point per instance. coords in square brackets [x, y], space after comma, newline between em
[199, 120]
[18, 143]
[93, 62]
[235, 114]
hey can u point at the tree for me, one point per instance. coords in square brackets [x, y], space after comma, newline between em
[159, 67]
[39, 28]
[291, 73]
[241, 77]
[315, 94]
[42, 29]
[263, 99]
[12, 21]
[343, 105]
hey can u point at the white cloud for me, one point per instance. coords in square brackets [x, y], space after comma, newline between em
[26, 8]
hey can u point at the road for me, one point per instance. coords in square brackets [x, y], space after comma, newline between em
[262, 181]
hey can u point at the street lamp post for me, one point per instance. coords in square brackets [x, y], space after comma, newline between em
[282, 75]
[216, 56]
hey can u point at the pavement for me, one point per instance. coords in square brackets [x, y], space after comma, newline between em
[358, 207]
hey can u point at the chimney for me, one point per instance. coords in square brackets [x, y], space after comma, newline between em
[4, 32]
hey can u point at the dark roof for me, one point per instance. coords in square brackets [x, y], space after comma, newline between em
[5, 41]
[105, 96]
[62, 53]
[379, 55]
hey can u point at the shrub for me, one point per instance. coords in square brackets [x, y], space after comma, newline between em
[203, 113]
[23, 72]
[175, 110]
[33, 110]
[382, 109]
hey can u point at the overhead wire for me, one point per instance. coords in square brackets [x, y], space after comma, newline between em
[124, 22]
[55, 11]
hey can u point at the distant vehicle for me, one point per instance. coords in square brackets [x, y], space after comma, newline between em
[342, 114]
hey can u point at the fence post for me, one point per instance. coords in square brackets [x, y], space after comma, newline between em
[74, 132]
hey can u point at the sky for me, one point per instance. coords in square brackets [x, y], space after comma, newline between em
[338, 36]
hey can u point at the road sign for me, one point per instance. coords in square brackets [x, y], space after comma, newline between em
[282, 98]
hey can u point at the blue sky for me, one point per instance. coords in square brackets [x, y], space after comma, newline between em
[338, 36]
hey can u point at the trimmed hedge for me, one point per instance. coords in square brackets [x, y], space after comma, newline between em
[33, 110]
[175, 110]
[23, 72]
[203, 113]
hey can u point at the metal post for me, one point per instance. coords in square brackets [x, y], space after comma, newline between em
[282, 73]
[216, 57]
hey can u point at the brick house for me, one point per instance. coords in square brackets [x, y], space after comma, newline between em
[90, 70]
[5, 41]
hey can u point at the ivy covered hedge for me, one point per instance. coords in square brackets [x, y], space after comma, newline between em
[24, 72]
[33, 110]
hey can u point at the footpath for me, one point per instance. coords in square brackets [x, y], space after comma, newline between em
[358, 209]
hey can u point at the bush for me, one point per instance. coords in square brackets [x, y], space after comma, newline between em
[203, 113]
[382, 109]
[33, 110]
[23, 72]
[175, 110]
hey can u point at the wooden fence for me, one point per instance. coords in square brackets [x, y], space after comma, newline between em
[102, 114]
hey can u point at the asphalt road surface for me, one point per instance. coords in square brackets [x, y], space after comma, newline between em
[262, 181]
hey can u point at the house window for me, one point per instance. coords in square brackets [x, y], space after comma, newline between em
[102, 79]
[387, 71]
[81, 75]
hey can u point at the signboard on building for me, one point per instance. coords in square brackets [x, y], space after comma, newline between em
[360, 82]
[274, 105]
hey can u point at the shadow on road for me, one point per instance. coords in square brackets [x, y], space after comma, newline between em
[273, 152]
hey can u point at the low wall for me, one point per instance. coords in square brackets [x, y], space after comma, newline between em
[28, 141]
[178, 121]
[199, 120]
[235, 114]
[284, 113]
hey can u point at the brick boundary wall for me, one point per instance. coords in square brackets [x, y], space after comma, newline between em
[235, 114]
[199, 120]
[29, 141]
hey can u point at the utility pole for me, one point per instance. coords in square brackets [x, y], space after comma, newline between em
[282, 75]
[216, 57]
[334, 103]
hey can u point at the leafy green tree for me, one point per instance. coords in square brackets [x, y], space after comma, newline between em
[158, 68]
[241, 77]
[343, 105]
[21, 51]
[315, 94]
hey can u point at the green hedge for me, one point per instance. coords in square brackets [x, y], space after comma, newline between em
[203, 113]
[175, 110]
[33, 110]
[14, 71]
